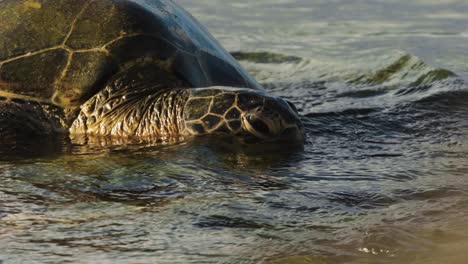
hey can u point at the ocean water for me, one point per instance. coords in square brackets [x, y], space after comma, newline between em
[381, 86]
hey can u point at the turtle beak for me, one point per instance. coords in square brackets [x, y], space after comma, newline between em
[261, 125]
[275, 121]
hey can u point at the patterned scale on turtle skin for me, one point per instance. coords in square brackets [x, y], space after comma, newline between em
[127, 65]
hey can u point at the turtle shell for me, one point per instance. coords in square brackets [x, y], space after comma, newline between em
[64, 51]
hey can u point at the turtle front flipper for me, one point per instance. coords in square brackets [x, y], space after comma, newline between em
[28, 121]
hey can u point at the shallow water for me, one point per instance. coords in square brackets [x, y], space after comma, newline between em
[382, 178]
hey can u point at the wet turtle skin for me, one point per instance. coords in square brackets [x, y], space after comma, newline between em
[55, 55]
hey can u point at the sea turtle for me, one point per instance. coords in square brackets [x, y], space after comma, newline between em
[129, 70]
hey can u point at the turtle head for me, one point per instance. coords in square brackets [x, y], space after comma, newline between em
[249, 115]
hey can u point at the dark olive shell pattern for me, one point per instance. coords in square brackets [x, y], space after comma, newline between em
[65, 51]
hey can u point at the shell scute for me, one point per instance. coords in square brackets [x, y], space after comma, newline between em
[34, 75]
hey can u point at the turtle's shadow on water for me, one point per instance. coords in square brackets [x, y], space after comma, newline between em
[223, 161]
[234, 166]
[214, 152]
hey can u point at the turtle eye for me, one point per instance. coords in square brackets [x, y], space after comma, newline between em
[259, 125]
